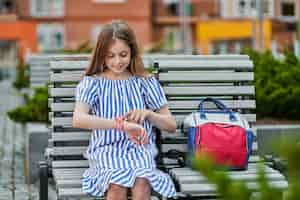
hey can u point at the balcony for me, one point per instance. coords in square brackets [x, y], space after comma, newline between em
[47, 9]
[169, 11]
[8, 10]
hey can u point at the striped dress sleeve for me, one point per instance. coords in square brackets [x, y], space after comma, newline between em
[155, 97]
[86, 91]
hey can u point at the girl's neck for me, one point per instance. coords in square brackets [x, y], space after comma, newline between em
[116, 76]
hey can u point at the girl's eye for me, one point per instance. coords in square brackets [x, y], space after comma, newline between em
[124, 54]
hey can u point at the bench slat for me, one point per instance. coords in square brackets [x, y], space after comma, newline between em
[71, 136]
[69, 163]
[84, 163]
[73, 178]
[181, 172]
[82, 64]
[209, 90]
[205, 64]
[79, 150]
[69, 65]
[67, 121]
[162, 57]
[77, 192]
[202, 188]
[76, 76]
[213, 76]
[173, 104]
[183, 90]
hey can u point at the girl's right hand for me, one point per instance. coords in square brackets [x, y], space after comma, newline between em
[136, 133]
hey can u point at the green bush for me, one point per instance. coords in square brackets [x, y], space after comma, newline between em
[22, 77]
[277, 85]
[228, 189]
[34, 110]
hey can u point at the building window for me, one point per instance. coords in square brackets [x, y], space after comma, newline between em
[172, 6]
[243, 8]
[96, 29]
[287, 9]
[8, 53]
[268, 8]
[248, 8]
[171, 39]
[50, 37]
[47, 8]
[109, 1]
[230, 46]
[7, 6]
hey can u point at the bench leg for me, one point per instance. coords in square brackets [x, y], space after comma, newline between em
[43, 172]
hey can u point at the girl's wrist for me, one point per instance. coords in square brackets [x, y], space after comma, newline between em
[120, 123]
[149, 113]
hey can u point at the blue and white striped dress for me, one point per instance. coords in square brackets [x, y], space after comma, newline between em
[113, 157]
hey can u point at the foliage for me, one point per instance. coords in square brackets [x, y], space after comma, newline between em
[277, 85]
[288, 149]
[35, 108]
[232, 189]
[22, 77]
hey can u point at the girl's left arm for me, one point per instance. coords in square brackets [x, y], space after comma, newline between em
[162, 119]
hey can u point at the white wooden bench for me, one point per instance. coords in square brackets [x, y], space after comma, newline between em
[186, 79]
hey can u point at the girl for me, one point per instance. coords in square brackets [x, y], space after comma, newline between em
[125, 102]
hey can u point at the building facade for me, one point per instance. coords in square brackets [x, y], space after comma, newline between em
[227, 26]
[196, 26]
[53, 25]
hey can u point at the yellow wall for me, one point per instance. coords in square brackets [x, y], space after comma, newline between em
[214, 30]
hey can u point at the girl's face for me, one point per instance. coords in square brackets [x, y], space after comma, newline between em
[118, 57]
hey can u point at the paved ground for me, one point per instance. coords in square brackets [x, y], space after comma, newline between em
[12, 150]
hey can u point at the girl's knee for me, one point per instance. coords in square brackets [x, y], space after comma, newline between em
[142, 182]
[141, 187]
[116, 192]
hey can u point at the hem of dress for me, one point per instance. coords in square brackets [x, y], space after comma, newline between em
[102, 193]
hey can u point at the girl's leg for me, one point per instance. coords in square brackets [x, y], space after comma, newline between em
[116, 192]
[141, 189]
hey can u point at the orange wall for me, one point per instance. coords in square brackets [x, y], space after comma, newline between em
[24, 33]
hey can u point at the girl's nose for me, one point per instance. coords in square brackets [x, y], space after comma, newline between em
[118, 60]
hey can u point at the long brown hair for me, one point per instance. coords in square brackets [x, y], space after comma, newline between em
[110, 32]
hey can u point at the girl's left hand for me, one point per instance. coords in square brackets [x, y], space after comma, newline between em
[138, 116]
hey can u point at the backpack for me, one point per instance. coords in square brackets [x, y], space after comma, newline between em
[221, 134]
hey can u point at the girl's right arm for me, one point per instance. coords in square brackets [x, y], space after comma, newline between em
[82, 119]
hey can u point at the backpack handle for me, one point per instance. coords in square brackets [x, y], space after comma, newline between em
[218, 104]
